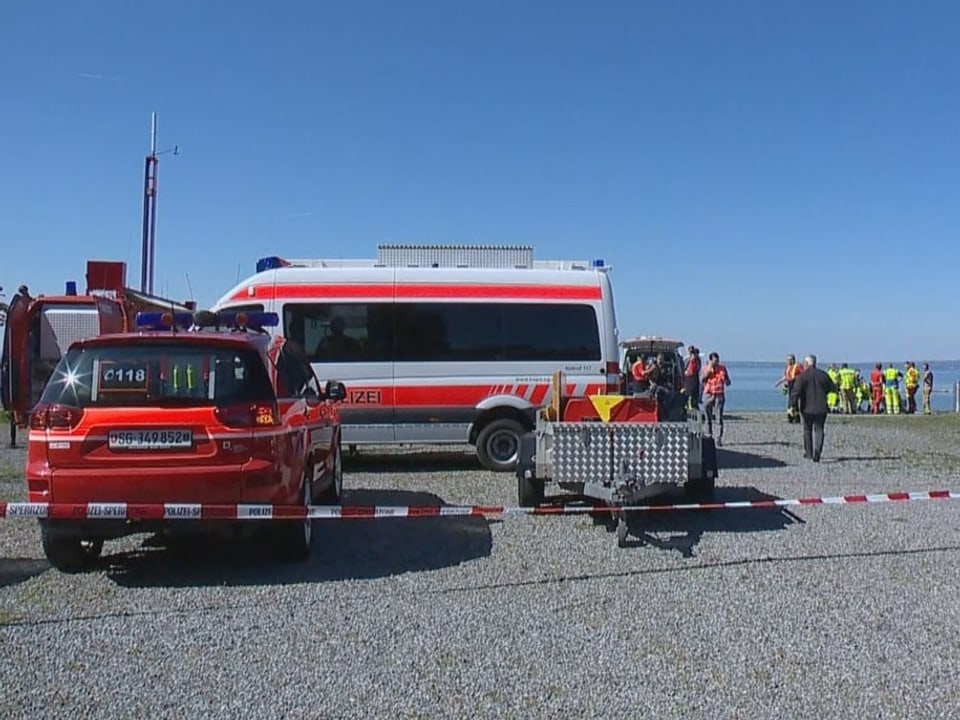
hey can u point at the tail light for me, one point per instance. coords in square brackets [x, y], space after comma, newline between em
[260, 414]
[55, 417]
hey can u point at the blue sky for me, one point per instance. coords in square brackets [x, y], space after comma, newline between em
[765, 177]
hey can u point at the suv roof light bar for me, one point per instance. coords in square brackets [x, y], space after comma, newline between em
[206, 319]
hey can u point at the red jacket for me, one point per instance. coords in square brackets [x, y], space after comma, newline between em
[876, 379]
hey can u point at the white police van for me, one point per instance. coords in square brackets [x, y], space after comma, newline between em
[444, 344]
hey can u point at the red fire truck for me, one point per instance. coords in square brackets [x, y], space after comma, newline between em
[39, 329]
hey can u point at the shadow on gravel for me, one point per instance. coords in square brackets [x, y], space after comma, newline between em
[681, 530]
[16, 570]
[343, 550]
[411, 462]
[735, 460]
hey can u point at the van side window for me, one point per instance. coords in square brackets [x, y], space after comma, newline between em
[444, 331]
[341, 332]
[481, 332]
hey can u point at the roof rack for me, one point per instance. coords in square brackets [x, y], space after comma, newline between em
[442, 256]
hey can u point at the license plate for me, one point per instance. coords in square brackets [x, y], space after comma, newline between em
[149, 439]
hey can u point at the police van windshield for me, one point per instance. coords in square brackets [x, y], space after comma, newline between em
[158, 374]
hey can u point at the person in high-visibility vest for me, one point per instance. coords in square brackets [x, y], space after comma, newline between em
[891, 389]
[876, 385]
[833, 398]
[912, 382]
[847, 388]
[790, 374]
[715, 381]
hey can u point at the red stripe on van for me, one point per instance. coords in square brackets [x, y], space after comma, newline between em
[420, 290]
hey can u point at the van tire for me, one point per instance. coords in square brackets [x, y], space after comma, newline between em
[498, 444]
[67, 552]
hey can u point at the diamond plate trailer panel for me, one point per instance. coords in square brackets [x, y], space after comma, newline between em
[600, 453]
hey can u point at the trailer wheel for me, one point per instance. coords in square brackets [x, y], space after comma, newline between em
[530, 491]
[498, 444]
[703, 488]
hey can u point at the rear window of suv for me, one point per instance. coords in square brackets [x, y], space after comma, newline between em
[158, 374]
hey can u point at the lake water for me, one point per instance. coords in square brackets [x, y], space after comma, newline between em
[753, 385]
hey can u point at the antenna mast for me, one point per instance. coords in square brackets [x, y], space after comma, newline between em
[148, 252]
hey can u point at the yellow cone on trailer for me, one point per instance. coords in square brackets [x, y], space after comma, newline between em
[604, 404]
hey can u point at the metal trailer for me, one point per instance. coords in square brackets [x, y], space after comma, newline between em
[620, 463]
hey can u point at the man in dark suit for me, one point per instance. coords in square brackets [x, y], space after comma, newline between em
[809, 392]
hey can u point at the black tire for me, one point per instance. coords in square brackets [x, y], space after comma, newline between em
[530, 491]
[333, 494]
[498, 444]
[294, 538]
[703, 488]
[69, 553]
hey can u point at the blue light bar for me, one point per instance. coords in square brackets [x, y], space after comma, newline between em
[163, 320]
[598, 262]
[269, 263]
[241, 319]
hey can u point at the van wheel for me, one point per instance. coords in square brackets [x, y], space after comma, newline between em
[498, 444]
[294, 538]
[69, 553]
[334, 492]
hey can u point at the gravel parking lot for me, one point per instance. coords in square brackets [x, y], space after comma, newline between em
[823, 612]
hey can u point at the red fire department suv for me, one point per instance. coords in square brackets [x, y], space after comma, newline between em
[191, 409]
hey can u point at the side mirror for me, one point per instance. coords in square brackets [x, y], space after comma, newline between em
[335, 391]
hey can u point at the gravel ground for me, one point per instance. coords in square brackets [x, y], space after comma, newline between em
[823, 612]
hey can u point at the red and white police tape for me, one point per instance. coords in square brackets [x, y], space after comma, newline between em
[196, 511]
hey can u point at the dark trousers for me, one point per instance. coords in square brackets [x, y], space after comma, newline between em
[813, 435]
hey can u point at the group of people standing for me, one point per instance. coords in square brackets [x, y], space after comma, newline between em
[699, 383]
[885, 389]
[812, 394]
[853, 393]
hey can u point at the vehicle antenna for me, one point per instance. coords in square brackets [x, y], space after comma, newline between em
[148, 251]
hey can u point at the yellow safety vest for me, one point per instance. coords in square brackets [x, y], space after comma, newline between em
[847, 378]
[913, 377]
[890, 377]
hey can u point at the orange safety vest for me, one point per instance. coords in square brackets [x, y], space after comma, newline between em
[716, 383]
[792, 372]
